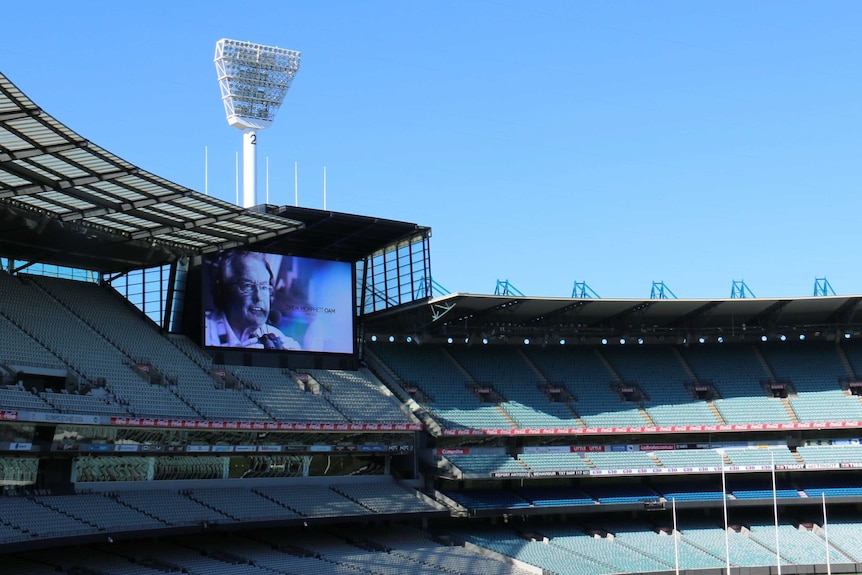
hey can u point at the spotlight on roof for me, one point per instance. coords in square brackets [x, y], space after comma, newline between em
[391, 338]
[409, 339]
[763, 338]
[449, 340]
[782, 337]
[373, 338]
[604, 341]
[640, 341]
[847, 335]
[720, 339]
[562, 341]
[622, 341]
[485, 340]
[701, 339]
[526, 341]
[801, 337]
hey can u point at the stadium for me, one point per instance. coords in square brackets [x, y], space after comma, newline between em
[410, 430]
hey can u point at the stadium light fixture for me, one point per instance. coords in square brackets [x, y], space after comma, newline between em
[373, 338]
[253, 79]
[622, 341]
[604, 341]
[526, 341]
[720, 339]
[701, 339]
[782, 337]
[801, 337]
[763, 338]
[562, 341]
[449, 340]
[391, 339]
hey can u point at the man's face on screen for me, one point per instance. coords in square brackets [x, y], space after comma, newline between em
[250, 294]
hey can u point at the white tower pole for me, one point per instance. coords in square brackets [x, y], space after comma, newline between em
[775, 513]
[724, 504]
[236, 159]
[675, 537]
[826, 534]
[249, 168]
[206, 171]
[267, 179]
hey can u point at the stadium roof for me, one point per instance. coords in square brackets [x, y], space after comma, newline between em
[338, 236]
[66, 201]
[500, 318]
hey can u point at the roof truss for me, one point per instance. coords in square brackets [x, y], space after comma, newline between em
[53, 179]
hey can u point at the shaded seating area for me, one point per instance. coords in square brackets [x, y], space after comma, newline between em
[486, 464]
[759, 486]
[830, 485]
[38, 515]
[556, 496]
[487, 499]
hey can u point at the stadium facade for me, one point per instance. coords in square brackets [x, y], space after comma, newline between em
[407, 431]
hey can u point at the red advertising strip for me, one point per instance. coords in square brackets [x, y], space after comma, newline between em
[453, 451]
[659, 429]
[8, 415]
[251, 425]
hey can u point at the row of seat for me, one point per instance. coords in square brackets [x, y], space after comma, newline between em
[100, 340]
[627, 386]
[637, 546]
[484, 464]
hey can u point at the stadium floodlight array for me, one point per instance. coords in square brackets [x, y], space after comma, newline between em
[254, 79]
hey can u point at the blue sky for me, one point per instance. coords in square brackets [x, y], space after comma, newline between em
[614, 143]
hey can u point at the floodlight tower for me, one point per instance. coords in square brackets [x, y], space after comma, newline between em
[254, 80]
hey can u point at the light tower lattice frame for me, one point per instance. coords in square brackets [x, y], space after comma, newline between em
[253, 79]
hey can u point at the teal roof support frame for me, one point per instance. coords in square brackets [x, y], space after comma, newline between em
[661, 291]
[822, 287]
[506, 288]
[582, 291]
[740, 291]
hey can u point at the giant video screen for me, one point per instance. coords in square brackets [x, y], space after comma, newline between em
[255, 300]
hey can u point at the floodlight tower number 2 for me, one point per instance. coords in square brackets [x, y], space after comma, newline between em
[253, 79]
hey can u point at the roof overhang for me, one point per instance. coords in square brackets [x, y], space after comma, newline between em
[66, 201]
[505, 318]
[338, 236]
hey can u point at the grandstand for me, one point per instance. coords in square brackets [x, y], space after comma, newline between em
[461, 434]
